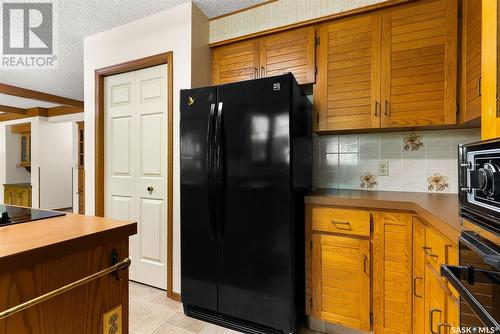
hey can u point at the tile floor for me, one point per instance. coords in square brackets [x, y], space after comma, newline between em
[151, 312]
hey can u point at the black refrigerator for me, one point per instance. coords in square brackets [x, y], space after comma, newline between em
[246, 160]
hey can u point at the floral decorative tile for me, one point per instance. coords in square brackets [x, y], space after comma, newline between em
[368, 181]
[437, 182]
[412, 142]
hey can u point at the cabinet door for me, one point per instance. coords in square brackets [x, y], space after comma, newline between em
[418, 277]
[341, 280]
[435, 301]
[235, 62]
[347, 90]
[452, 300]
[292, 51]
[471, 60]
[7, 195]
[24, 148]
[392, 273]
[419, 64]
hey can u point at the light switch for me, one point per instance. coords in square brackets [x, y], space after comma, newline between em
[383, 168]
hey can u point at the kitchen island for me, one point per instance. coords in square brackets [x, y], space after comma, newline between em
[41, 257]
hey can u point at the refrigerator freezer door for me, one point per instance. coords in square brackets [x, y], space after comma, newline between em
[255, 256]
[198, 243]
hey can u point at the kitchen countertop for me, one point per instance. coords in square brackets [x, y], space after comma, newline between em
[439, 210]
[69, 231]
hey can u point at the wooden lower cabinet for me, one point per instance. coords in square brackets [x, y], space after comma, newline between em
[17, 194]
[341, 280]
[387, 281]
[392, 273]
[418, 277]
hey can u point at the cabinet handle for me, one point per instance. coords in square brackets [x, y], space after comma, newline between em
[255, 73]
[479, 86]
[431, 318]
[262, 72]
[415, 286]
[443, 324]
[365, 264]
[377, 108]
[428, 252]
[340, 225]
[387, 110]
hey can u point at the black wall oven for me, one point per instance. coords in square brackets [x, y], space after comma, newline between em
[477, 280]
[477, 277]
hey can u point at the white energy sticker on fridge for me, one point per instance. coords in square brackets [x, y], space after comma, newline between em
[276, 86]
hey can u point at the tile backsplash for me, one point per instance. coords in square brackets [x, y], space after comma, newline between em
[422, 161]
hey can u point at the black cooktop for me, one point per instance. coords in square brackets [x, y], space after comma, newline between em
[15, 215]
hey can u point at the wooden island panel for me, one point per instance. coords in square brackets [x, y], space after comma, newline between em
[52, 253]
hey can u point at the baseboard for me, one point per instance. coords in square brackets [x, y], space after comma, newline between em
[175, 296]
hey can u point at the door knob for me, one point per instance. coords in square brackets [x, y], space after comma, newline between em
[150, 189]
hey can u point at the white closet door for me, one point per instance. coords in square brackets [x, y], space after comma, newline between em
[135, 166]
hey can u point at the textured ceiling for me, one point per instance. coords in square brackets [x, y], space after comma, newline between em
[78, 19]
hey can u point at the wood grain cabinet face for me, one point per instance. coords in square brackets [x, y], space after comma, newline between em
[347, 90]
[291, 51]
[418, 277]
[392, 273]
[235, 62]
[419, 64]
[15, 195]
[341, 280]
[470, 99]
[345, 221]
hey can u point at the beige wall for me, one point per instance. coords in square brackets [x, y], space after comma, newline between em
[278, 14]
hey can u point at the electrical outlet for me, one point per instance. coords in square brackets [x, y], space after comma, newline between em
[383, 168]
[112, 321]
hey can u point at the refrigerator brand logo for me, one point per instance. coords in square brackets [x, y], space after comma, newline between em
[190, 101]
[276, 86]
[28, 35]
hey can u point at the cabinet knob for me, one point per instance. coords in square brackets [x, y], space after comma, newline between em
[150, 189]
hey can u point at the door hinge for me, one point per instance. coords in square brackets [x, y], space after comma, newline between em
[316, 41]
[371, 222]
[317, 118]
[311, 245]
[371, 318]
[311, 302]
[459, 12]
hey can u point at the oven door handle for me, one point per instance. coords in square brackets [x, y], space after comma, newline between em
[453, 275]
[492, 260]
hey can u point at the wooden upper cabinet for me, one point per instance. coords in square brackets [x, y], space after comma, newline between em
[419, 64]
[341, 280]
[235, 62]
[470, 98]
[347, 90]
[292, 51]
[392, 273]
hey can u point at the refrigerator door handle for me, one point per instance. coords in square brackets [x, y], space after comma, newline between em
[219, 173]
[209, 164]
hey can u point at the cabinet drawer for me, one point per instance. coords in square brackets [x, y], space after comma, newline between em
[356, 222]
